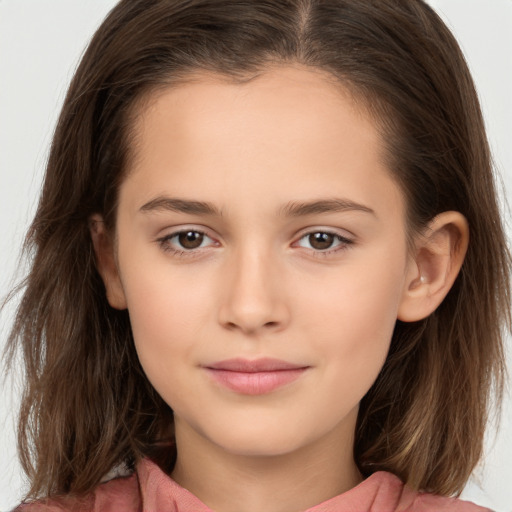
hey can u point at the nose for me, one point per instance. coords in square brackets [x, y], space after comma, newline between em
[253, 299]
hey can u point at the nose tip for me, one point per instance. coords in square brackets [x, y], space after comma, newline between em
[251, 311]
[254, 298]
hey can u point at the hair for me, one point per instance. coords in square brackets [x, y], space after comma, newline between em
[87, 404]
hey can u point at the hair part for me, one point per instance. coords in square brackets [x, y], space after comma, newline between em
[402, 63]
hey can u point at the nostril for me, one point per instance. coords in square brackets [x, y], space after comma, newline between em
[253, 312]
[245, 326]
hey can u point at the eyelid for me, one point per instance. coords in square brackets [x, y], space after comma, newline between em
[164, 241]
[170, 231]
[345, 241]
[165, 244]
[341, 233]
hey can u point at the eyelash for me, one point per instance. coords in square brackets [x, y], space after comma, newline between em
[166, 246]
[165, 243]
[344, 243]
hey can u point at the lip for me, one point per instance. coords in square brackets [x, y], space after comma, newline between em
[254, 377]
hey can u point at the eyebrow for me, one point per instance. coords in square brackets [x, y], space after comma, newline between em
[299, 209]
[291, 209]
[180, 206]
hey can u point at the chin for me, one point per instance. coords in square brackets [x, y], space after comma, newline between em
[257, 441]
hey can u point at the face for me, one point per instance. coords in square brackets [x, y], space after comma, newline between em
[261, 252]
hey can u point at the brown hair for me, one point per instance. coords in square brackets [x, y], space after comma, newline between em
[87, 404]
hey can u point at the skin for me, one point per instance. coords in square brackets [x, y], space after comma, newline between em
[259, 285]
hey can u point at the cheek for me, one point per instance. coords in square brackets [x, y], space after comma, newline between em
[159, 292]
[167, 310]
[353, 317]
[164, 322]
[361, 296]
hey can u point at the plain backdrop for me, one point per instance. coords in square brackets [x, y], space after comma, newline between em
[40, 44]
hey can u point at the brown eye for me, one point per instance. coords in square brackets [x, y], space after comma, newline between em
[321, 241]
[188, 242]
[190, 239]
[324, 242]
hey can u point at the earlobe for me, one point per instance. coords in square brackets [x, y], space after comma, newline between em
[435, 264]
[106, 262]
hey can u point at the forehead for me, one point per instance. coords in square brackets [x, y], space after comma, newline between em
[303, 100]
[288, 131]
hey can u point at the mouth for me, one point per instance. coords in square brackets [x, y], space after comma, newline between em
[256, 377]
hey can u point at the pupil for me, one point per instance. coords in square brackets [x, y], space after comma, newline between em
[321, 240]
[190, 239]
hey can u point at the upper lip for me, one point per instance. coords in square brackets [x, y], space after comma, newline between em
[265, 364]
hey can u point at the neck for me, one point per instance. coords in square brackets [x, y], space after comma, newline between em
[290, 482]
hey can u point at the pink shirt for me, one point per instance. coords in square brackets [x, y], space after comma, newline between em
[151, 490]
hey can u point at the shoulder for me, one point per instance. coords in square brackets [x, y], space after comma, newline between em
[112, 496]
[414, 501]
[424, 502]
[385, 492]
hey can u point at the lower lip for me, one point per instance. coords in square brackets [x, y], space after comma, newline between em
[255, 383]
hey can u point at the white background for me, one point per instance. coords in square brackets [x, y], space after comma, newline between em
[40, 44]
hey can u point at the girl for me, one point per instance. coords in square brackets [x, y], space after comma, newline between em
[282, 279]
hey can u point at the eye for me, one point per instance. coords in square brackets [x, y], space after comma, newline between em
[190, 239]
[185, 241]
[324, 241]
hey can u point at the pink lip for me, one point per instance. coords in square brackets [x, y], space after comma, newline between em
[255, 377]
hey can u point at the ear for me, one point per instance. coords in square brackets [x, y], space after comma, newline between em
[434, 266]
[106, 262]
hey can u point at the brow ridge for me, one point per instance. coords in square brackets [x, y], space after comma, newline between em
[291, 209]
[299, 209]
[162, 203]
